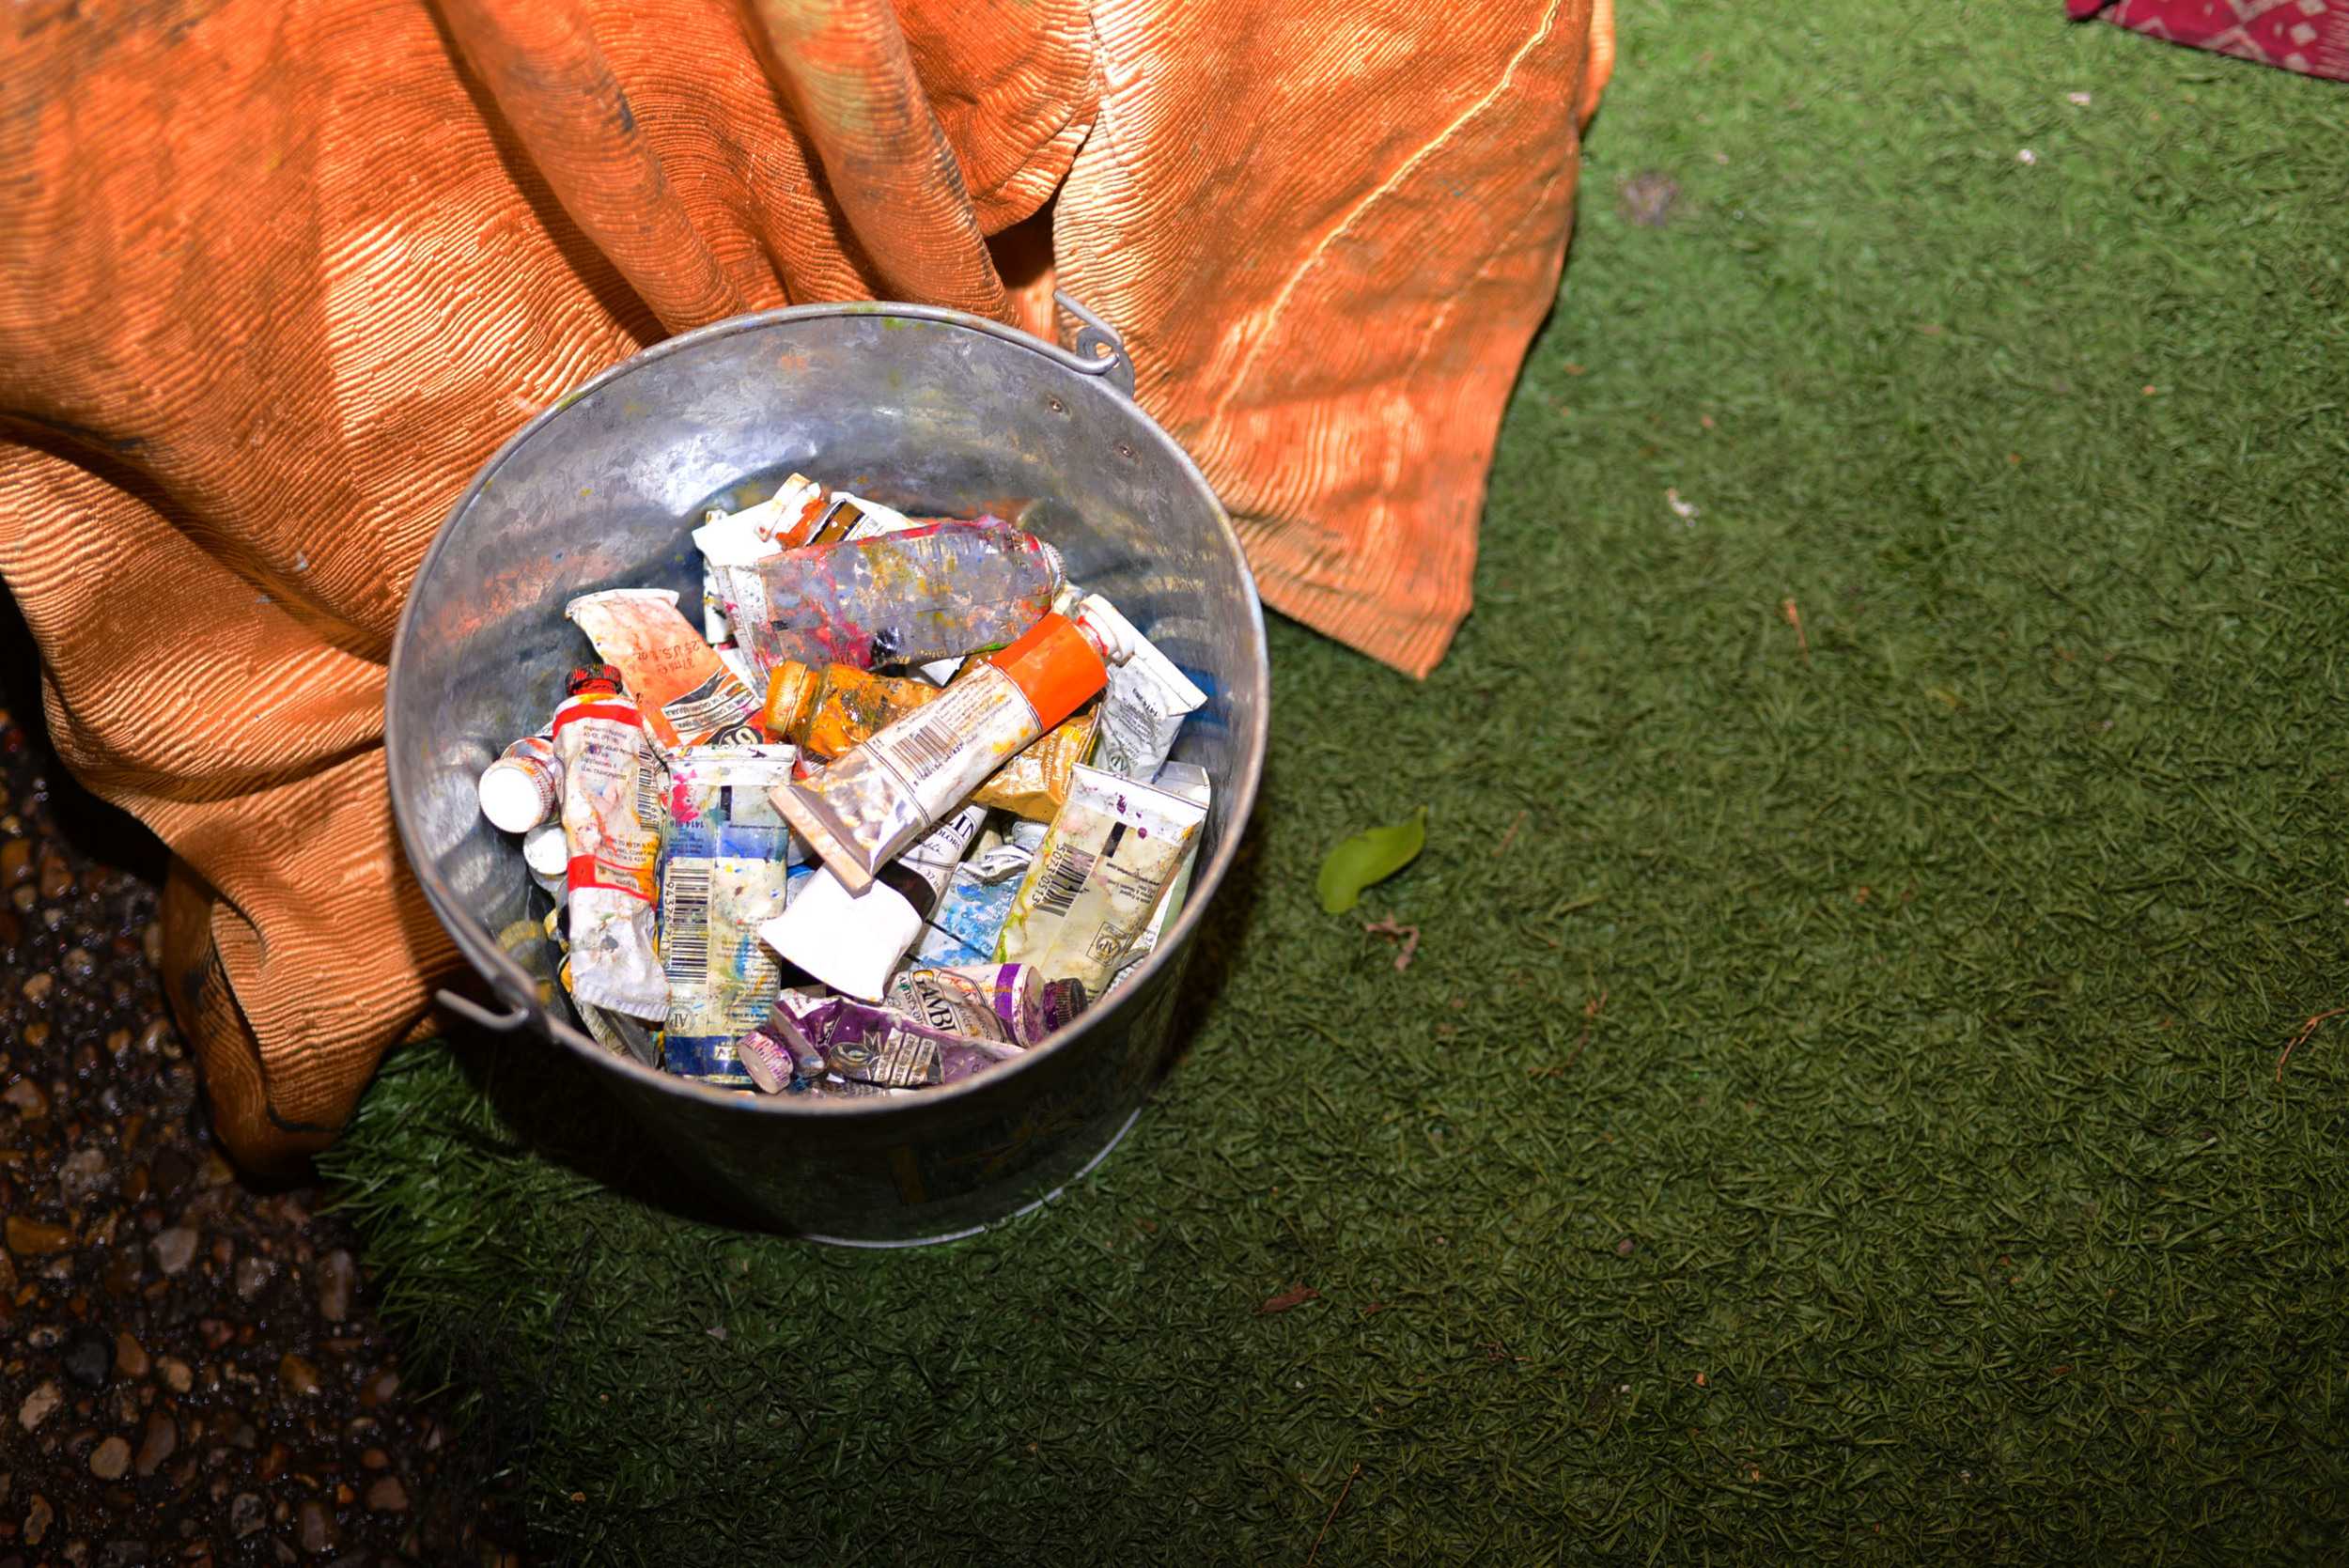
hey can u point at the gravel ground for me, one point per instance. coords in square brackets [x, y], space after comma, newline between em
[191, 1366]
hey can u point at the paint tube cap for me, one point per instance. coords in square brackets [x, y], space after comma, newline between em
[512, 797]
[790, 696]
[850, 941]
[1056, 665]
[586, 675]
[544, 849]
[1060, 1002]
[1111, 633]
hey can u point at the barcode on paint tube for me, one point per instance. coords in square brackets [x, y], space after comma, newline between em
[652, 783]
[685, 921]
[1063, 879]
[922, 750]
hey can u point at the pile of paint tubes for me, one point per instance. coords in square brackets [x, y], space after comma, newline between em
[900, 810]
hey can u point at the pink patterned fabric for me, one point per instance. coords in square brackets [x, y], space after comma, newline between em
[2311, 36]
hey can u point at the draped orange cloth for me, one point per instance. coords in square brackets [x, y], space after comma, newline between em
[277, 277]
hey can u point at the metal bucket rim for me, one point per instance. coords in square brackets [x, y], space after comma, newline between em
[479, 947]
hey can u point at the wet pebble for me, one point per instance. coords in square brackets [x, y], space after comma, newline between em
[246, 1514]
[337, 1277]
[85, 1174]
[178, 1376]
[296, 1376]
[387, 1496]
[253, 1276]
[157, 1443]
[37, 988]
[316, 1528]
[24, 1098]
[129, 1355]
[38, 1515]
[89, 1360]
[39, 1406]
[56, 878]
[174, 1249]
[110, 1459]
[35, 1238]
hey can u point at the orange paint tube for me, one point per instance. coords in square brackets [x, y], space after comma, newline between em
[688, 696]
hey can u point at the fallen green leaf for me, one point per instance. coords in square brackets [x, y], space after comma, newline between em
[1369, 857]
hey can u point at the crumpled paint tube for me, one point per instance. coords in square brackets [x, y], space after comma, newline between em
[524, 786]
[719, 882]
[739, 538]
[869, 1044]
[601, 742]
[1002, 1002]
[688, 696]
[860, 811]
[969, 916]
[1145, 706]
[1035, 783]
[1104, 865]
[929, 593]
[851, 942]
[831, 708]
[1190, 781]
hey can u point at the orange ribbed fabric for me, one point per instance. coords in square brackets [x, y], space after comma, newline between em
[277, 277]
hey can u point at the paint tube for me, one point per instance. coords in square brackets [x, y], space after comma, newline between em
[739, 538]
[600, 739]
[688, 695]
[860, 811]
[524, 786]
[971, 915]
[933, 592]
[1103, 867]
[830, 709]
[719, 883]
[831, 712]
[1145, 702]
[1190, 781]
[1002, 1002]
[853, 942]
[730, 784]
[876, 1044]
[1035, 783]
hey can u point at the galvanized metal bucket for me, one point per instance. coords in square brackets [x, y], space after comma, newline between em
[935, 412]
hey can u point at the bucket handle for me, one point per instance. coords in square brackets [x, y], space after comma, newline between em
[1099, 350]
[511, 986]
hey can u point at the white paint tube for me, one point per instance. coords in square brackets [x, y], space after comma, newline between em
[599, 735]
[1145, 703]
[853, 942]
[1190, 781]
[1105, 864]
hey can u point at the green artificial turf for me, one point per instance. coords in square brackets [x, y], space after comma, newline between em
[1834, 1108]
